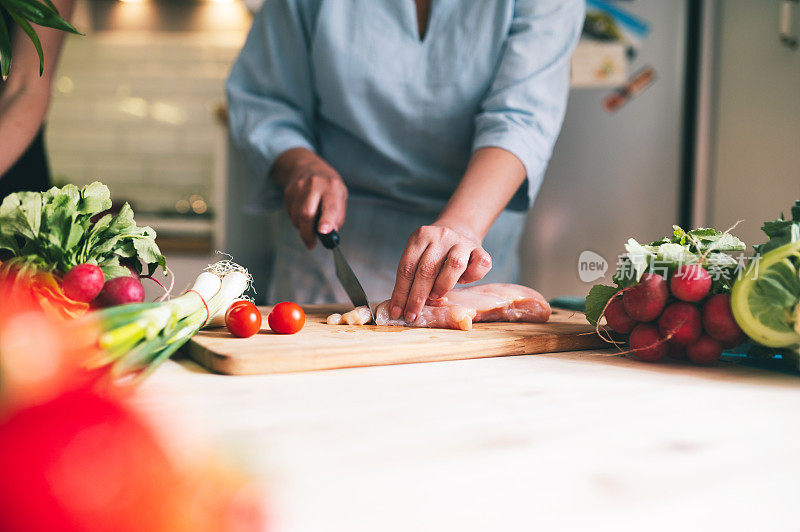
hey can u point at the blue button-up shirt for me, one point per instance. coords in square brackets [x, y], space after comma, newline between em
[398, 116]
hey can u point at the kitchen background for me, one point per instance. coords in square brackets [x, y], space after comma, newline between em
[139, 104]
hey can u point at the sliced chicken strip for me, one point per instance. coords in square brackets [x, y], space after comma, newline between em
[442, 317]
[357, 316]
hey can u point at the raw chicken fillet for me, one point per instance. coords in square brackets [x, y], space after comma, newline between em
[461, 307]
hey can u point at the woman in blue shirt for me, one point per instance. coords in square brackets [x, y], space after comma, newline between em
[434, 118]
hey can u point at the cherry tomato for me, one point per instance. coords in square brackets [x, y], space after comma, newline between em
[286, 318]
[243, 319]
[238, 303]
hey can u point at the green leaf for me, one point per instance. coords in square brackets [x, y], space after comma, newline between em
[69, 194]
[596, 301]
[21, 214]
[148, 251]
[40, 13]
[5, 48]
[776, 227]
[95, 198]
[123, 222]
[106, 247]
[54, 230]
[724, 242]
[678, 235]
[796, 212]
[51, 5]
[22, 23]
[126, 249]
[639, 257]
[10, 243]
[673, 255]
[74, 236]
[112, 268]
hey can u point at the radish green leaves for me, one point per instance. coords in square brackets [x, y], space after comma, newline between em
[704, 245]
[64, 227]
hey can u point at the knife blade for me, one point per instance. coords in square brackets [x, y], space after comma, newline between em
[344, 272]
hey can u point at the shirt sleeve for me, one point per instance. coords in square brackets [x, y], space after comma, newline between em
[270, 92]
[524, 107]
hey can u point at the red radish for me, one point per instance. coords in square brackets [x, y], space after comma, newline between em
[719, 323]
[83, 282]
[120, 291]
[690, 283]
[617, 318]
[680, 323]
[704, 351]
[647, 344]
[645, 300]
[678, 352]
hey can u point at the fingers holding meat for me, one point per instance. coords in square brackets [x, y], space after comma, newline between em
[436, 257]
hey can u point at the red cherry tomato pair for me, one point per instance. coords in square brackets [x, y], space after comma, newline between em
[243, 319]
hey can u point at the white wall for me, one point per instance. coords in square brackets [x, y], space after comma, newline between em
[136, 111]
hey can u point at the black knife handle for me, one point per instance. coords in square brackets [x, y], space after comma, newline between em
[330, 240]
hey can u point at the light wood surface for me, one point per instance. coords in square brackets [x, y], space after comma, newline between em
[321, 346]
[568, 441]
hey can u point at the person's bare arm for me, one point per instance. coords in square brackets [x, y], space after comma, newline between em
[450, 250]
[25, 96]
[310, 185]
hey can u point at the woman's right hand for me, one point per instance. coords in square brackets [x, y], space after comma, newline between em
[311, 186]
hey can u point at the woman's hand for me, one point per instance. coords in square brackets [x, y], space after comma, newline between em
[311, 186]
[448, 252]
[436, 258]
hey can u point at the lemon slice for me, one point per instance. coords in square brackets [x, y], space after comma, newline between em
[764, 300]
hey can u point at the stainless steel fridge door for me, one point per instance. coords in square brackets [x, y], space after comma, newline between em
[612, 176]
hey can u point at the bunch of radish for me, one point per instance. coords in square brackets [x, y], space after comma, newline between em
[87, 284]
[676, 317]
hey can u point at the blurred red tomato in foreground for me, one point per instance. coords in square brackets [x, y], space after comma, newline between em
[87, 462]
[42, 353]
[75, 456]
[82, 462]
[42, 288]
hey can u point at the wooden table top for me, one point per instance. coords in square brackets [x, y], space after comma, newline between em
[559, 441]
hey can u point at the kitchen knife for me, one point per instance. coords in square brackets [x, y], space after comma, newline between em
[345, 274]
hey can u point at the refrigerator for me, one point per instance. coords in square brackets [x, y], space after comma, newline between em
[752, 146]
[613, 176]
[715, 141]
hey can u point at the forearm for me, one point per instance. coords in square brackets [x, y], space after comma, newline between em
[21, 113]
[25, 95]
[492, 177]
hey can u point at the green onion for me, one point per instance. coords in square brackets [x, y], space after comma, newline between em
[139, 337]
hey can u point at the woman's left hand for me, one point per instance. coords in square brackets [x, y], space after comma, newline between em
[436, 258]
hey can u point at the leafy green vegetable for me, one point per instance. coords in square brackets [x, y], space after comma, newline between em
[781, 231]
[766, 299]
[703, 245]
[663, 256]
[54, 230]
[596, 301]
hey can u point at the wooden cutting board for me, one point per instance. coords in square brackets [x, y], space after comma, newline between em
[322, 346]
